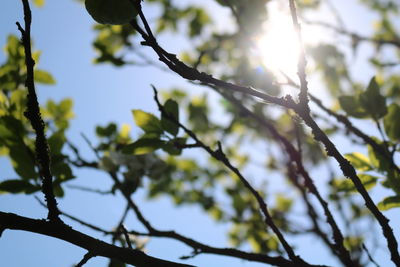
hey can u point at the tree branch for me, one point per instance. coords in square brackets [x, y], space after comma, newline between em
[94, 246]
[202, 248]
[220, 156]
[33, 115]
[301, 64]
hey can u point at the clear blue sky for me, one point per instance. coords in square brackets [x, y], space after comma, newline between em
[62, 31]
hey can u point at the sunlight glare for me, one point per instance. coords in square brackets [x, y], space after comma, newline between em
[279, 47]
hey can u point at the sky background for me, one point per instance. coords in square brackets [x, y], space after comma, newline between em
[62, 30]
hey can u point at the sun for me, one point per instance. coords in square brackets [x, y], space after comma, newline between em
[278, 45]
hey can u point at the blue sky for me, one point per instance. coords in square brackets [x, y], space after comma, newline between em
[62, 31]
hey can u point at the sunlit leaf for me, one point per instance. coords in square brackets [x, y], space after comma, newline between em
[143, 146]
[148, 122]
[389, 203]
[346, 185]
[44, 77]
[359, 161]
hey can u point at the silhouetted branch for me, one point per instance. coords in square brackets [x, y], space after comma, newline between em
[85, 259]
[350, 127]
[94, 246]
[348, 170]
[219, 155]
[193, 74]
[301, 64]
[88, 225]
[202, 248]
[295, 156]
[33, 115]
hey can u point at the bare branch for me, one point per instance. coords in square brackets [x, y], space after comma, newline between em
[94, 246]
[301, 64]
[220, 156]
[33, 115]
[85, 259]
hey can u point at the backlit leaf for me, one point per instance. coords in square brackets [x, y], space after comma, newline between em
[372, 101]
[359, 161]
[168, 121]
[148, 122]
[389, 203]
[44, 77]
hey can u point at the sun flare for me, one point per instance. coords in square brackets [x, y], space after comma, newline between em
[278, 45]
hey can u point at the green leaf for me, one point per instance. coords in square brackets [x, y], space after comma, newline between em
[61, 171]
[173, 147]
[107, 164]
[376, 159]
[56, 142]
[23, 161]
[107, 131]
[58, 190]
[372, 101]
[60, 113]
[12, 47]
[168, 122]
[143, 146]
[283, 204]
[17, 186]
[392, 181]
[11, 128]
[148, 122]
[346, 185]
[359, 161]
[351, 106]
[389, 203]
[131, 182]
[44, 77]
[391, 122]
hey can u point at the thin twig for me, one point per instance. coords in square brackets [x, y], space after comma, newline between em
[91, 190]
[296, 157]
[220, 156]
[85, 259]
[88, 225]
[126, 235]
[348, 170]
[33, 115]
[301, 64]
[369, 255]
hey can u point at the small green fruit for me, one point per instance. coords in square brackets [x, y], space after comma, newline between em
[114, 12]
